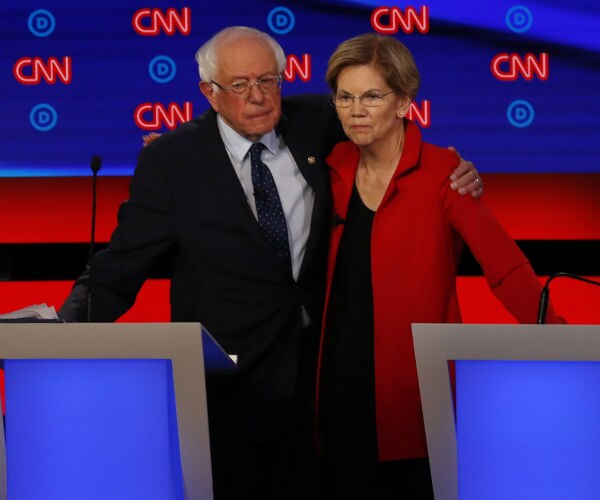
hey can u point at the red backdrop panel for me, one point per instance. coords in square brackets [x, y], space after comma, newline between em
[578, 302]
[530, 206]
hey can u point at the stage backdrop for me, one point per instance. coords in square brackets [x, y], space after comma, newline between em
[513, 85]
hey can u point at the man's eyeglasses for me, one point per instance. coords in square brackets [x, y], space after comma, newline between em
[371, 99]
[267, 85]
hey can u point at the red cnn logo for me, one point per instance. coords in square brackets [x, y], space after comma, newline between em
[148, 116]
[387, 20]
[508, 67]
[151, 22]
[31, 70]
[420, 115]
[298, 68]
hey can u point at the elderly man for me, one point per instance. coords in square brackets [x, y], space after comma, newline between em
[238, 202]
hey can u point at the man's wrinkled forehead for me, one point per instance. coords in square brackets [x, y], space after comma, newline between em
[238, 56]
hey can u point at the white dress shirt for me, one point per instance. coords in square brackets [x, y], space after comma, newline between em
[297, 197]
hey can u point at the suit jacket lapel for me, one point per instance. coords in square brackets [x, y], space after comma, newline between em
[313, 168]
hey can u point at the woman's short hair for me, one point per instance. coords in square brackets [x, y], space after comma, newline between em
[389, 55]
[207, 58]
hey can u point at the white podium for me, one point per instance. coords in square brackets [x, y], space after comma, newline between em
[106, 411]
[525, 423]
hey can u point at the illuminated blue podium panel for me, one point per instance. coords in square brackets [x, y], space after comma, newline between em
[528, 430]
[91, 429]
[106, 411]
[526, 420]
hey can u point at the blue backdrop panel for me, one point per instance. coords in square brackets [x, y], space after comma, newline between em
[91, 429]
[513, 85]
[528, 430]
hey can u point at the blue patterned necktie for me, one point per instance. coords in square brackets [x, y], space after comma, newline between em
[268, 205]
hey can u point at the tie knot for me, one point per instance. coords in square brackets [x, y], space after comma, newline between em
[255, 150]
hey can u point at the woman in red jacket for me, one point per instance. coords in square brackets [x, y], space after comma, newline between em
[397, 237]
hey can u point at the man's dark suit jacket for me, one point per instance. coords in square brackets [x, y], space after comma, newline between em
[187, 205]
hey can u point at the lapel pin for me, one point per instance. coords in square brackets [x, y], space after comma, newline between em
[311, 160]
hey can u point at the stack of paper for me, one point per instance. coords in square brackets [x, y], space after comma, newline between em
[33, 312]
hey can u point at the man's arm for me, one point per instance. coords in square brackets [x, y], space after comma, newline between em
[75, 306]
[142, 239]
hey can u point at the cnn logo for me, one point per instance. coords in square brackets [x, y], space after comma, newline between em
[148, 116]
[508, 67]
[153, 22]
[34, 70]
[389, 20]
[298, 68]
[420, 114]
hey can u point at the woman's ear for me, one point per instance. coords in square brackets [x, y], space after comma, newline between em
[403, 107]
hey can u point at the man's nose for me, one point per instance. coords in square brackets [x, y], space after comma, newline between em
[255, 94]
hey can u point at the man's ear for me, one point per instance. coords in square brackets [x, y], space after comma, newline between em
[209, 92]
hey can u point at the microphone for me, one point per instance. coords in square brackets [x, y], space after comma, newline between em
[95, 167]
[95, 164]
[545, 295]
[337, 220]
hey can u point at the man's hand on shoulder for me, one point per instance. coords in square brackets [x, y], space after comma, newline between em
[148, 138]
[465, 178]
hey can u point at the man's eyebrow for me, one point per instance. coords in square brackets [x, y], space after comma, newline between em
[268, 73]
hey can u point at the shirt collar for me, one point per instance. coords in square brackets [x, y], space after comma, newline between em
[238, 145]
